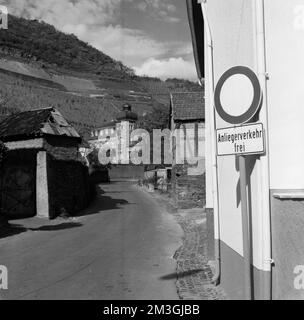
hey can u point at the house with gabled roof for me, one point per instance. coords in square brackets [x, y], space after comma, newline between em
[188, 107]
[187, 112]
[43, 173]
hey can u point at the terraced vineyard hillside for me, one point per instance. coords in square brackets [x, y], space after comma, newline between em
[160, 90]
[84, 112]
[42, 67]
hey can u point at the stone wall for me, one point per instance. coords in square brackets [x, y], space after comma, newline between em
[69, 187]
[62, 148]
[18, 184]
[121, 172]
[189, 191]
[66, 179]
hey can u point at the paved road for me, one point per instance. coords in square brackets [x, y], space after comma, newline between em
[120, 248]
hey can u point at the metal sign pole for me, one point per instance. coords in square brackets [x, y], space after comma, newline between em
[241, 140]
[245, 227]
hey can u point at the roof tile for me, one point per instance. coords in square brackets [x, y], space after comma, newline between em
[188, 106]
[35, 123]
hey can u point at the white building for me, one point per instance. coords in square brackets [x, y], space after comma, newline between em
[117, 132]
[268, 37]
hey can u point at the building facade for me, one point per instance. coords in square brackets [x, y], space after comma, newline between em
[116, 136]
[117, 132]
[267, 37]
[188, 177]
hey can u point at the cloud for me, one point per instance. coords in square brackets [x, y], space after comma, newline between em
[97, 22]
[168, 68]
[159, 9]
[93, 21]
[184, 49]
[60, 12]
[128, 45]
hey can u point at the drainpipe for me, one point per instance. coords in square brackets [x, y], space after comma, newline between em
[212, 126]
[265, 226]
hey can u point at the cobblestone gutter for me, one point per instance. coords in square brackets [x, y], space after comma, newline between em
[194, 274]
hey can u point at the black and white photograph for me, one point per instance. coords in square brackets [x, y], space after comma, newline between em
[151, 153]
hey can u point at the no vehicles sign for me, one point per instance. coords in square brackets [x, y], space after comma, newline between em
[237, 100]
[240, 140]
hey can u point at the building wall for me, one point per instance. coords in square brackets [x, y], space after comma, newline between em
[68, 185]
[285, 64]
[233, 31]
[188, 180]
[287, 246]
[286, 113]
[18, 184]
[67, 178]
[121, 172]
[62, 148]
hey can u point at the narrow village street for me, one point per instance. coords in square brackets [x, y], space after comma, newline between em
[122, 247]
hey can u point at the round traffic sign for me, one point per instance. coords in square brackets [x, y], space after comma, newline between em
[247, 86]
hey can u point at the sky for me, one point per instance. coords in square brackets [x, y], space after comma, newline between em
[150, 36]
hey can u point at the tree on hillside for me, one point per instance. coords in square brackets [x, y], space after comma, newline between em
[183, 85]
[158, 119]
[38, 41]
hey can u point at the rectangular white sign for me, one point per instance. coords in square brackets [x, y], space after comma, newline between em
[240, 140]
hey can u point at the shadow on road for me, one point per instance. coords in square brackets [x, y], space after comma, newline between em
[176, 275]
[15, 229]
[103, 203]
[11, 230]
[61, 226]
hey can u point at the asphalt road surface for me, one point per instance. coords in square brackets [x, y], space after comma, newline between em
[122, 247]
